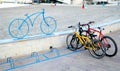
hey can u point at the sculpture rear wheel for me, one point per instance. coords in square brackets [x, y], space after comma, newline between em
[18, 28]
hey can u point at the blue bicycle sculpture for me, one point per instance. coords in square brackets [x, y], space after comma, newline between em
[19, 28]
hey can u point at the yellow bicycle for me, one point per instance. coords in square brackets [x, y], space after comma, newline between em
[78, 40]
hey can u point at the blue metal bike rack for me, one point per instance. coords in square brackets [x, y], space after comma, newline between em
[36, 55]
[11, 61]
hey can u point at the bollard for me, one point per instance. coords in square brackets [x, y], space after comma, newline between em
[11, 61]
[36, 55]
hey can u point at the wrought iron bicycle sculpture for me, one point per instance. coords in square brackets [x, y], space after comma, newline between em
[19, 28]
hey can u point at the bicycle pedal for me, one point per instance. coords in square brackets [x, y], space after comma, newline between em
[80, 47]
[86, 47]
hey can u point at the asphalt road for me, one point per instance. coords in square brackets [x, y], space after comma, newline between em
[65, 16]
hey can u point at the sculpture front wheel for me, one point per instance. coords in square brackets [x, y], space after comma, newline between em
[48, 25]
[18, 28]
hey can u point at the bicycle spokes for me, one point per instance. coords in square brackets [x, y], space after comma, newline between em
[48, 26]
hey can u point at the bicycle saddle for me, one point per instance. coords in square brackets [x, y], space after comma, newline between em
[93, 35]
[100, 28]
[91, 22]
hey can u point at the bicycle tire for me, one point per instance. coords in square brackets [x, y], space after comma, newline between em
[49, 26]
[73, 43]
[16, 31]
[68, 39]
[99, 51]
[114, 49]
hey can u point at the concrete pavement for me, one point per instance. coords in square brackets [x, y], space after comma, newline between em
[80, 61]
[65, 15]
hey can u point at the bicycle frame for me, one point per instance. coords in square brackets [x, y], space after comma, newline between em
[100, 32]
[100, 36]
[32, 22]
[28, 17]
[80, 37]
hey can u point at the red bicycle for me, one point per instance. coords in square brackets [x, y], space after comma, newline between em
[109, 43]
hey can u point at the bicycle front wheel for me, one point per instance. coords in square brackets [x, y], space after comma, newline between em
[72, 37]
[73, 43]
[68, 39]
[97, 49]
[18, 28]
[110, 45]
[48, 25]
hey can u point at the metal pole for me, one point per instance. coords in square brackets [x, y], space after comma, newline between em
[11, 61]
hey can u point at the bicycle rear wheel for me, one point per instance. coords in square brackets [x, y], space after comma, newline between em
[110, 45]
[18, 28]
[48, 25]
[97, 49]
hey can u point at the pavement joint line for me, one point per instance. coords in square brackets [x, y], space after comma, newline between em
[55, 34]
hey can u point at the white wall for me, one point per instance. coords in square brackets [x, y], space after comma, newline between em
[77, 1]
[22, 1]
[73, 2]
[66, 1]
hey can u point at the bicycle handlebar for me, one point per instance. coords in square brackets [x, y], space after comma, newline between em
[87, 23]
[72, 27]
[80, 28]
[82, 24]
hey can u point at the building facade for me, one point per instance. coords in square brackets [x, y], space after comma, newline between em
[63, 1]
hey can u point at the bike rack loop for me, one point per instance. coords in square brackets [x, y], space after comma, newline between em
[11, 61]
[36, 55]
